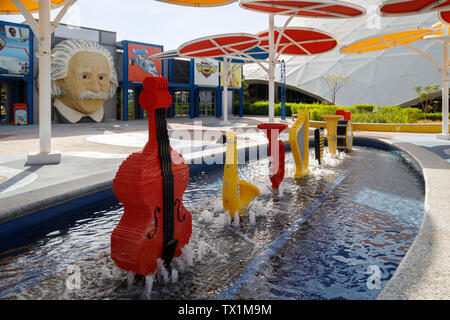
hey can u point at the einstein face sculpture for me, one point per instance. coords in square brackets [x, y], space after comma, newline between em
[87, 84]
[84, 82]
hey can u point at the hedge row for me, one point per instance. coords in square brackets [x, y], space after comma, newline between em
[365, 113]
[434, 116]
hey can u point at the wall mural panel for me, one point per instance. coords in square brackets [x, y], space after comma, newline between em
[14, 50]
[234, 75]
[139, 63]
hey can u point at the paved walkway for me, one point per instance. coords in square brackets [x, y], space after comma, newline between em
[91, 154]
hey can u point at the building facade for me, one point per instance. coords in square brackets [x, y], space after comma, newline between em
[194, 84]
[16, 72]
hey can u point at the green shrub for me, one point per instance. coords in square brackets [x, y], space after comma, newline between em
[277, 108]
[411, 115]
[364, 113]
[390, 114]
[259, 108]
[437, 116]
[360, 108]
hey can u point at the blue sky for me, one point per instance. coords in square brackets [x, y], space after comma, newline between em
[161, 23]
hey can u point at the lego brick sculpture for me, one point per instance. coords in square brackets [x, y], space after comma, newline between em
[276, 165]
[150, 184]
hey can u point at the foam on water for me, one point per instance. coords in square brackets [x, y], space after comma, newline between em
[207, 216]
[236, 220]
[149, 279]
[130, 278]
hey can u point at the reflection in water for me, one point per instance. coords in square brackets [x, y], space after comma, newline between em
[326, 258]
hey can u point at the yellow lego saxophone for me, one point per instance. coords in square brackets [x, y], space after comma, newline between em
[236, 194]
[299, 142]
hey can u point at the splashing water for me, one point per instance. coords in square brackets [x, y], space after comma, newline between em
[149, 279]
[162, 271]
[207, 216]
[236, 220]
[174, 275]
[130, 278]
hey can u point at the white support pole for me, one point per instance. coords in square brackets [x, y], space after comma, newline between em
[271, 70]
[28, 17]
[44, 77]
[225, 91]
[61, 14]
[44, 156]
[445, 82]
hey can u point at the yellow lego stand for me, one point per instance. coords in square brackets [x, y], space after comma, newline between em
[344, 135]
[236, 194]
[332, 121]
[299, 141]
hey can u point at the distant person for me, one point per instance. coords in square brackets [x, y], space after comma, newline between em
[83, 78]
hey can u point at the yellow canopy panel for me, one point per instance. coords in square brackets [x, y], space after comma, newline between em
[8, 6]
[199, 3]
[440, 27]
[386, 41]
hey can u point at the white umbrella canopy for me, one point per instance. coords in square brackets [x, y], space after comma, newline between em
[325, 9]
[394, 8]
[381, 78]
[221, 46]
[42, 31]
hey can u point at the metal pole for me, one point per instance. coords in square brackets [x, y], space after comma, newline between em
[44, 77]
[445, 82]
[225, 91]
[271, 70]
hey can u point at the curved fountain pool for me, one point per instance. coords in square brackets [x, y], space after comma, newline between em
[338, 233]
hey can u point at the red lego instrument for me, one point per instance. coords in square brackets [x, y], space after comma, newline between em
[276, 165]
[150, 184]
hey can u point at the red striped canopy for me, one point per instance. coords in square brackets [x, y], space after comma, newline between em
[219, 45]
[409, 7]
[307, 8]
[444, 16]
[300, 41]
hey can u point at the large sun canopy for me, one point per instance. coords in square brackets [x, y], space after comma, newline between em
[219, 45]
[391, 8]
[252, 55]
[199, 3]
[387, 40]
[306, 8]
[399, 8]
[444, 16]
[299, 41]
[8, 6]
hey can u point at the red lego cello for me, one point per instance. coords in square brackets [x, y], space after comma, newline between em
[151, 184]
[276, 164]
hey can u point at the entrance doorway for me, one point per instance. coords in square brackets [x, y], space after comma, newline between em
[131, 104]
[207, 103]
[181, 103]
[5, 104]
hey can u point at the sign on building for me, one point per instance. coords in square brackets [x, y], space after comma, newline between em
[206, 72]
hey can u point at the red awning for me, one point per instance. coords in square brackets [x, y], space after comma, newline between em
[444, 16]
[307, 8]
[409, 7]
[300, 41]
[219, 45]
